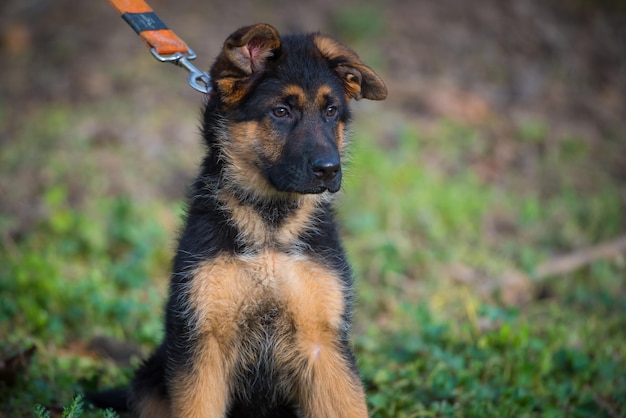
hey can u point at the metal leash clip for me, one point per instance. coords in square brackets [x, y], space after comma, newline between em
[199, 80]
[164, 44]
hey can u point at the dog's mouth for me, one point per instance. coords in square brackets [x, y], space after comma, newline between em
[330, 188]
[286, 179]
[317, 185]
[312, 189]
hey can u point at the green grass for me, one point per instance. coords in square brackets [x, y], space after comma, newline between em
[416, 203]
[430, 346]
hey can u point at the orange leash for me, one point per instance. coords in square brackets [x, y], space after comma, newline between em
[164, 44]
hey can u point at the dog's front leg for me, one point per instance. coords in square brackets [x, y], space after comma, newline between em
[331, 387]
[200, 372]
[328, 385]
[201, 389]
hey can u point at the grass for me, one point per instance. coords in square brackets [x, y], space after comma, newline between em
[433, 347]
[417, 204]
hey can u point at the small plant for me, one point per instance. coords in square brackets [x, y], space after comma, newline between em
[74, 410]
[41, 412]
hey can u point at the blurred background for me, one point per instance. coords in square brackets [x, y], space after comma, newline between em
[483, 209]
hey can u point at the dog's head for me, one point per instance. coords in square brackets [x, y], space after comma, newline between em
[284, 101]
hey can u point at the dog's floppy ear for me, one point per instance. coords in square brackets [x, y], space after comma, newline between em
[359, 80]
[243, 58]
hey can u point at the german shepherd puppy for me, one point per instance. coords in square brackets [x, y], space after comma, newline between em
[258, 318]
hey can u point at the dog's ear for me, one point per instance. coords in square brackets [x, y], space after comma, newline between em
[359, 80]
[243, 58]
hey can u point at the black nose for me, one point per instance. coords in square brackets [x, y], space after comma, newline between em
[326, 169]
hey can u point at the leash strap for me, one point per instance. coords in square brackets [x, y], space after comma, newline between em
[164, 44]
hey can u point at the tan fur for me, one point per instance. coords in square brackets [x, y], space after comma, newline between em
[219, 289]
[248, 142]
[321, 96]
[256, 233]
[233, 90]
[358, 79]
[245, 139]
[228, 290]
[330, 389]
[204, 391]
[341, 137]
[297, 92]
[299, 221]
[326, 386]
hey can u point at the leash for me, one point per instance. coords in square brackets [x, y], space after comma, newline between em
[164, 44]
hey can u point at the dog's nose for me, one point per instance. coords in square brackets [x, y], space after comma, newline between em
[326, 169]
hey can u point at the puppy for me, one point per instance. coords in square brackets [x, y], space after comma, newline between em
[258, 318]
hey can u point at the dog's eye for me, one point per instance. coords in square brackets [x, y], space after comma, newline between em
[280, 112]
[331, 111]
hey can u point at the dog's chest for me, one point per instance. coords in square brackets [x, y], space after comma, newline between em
[231, 291]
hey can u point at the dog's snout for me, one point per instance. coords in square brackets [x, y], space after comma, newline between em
[326, 169]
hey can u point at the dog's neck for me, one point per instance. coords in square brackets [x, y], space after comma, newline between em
[275, 223]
